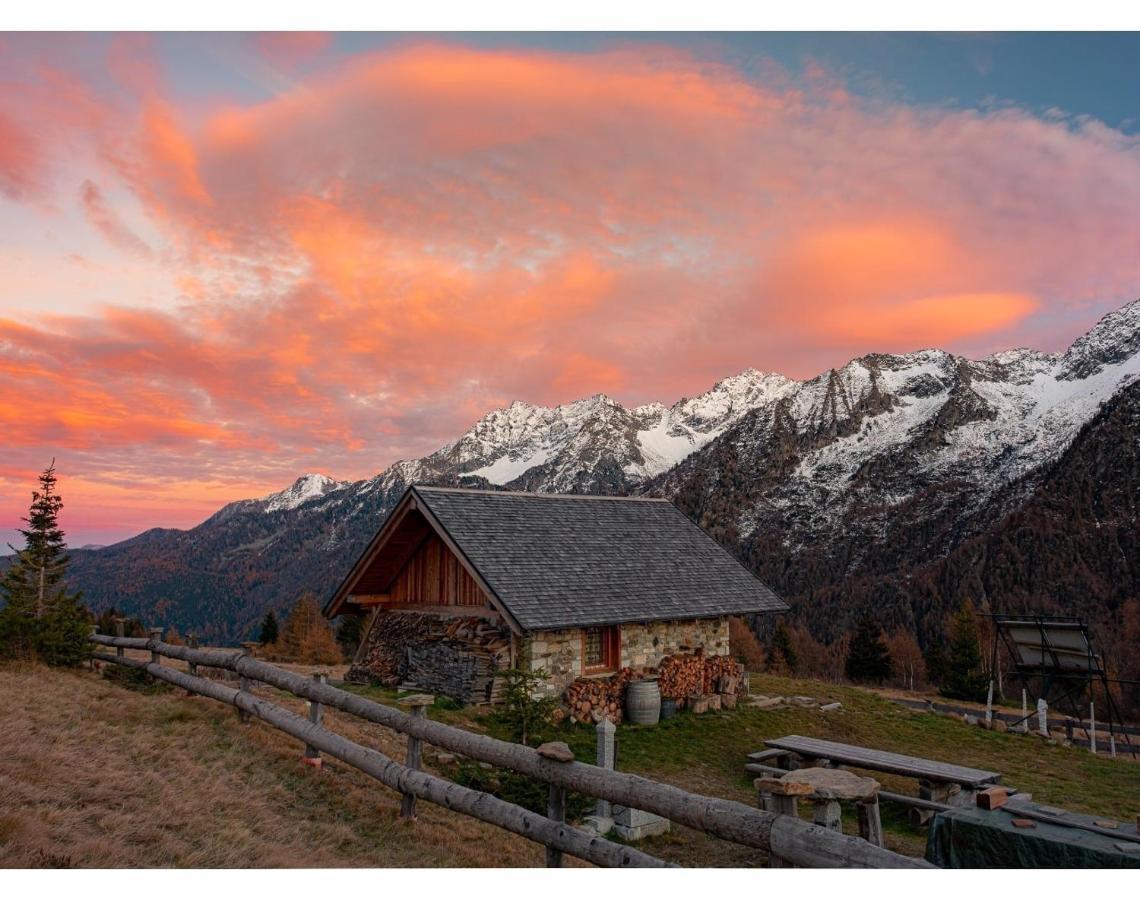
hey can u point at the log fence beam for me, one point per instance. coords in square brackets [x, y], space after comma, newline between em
[799, 842]
[476, 804]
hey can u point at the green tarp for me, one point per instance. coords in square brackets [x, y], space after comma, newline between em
[982, 839]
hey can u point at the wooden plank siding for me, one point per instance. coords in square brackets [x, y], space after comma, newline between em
[433, 576]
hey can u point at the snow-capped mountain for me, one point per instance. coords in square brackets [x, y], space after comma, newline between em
[559, 448]
[306, 488]
[884, 463]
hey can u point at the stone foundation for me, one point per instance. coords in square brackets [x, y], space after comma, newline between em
[643, 645]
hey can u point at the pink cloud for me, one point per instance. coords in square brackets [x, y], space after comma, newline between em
[360, 266]
[108, 222]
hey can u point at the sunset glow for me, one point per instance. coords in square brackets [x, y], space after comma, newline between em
[231, 260]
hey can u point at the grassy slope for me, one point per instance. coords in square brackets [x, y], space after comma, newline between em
[95, 775]
[707, 754]
[102, 776]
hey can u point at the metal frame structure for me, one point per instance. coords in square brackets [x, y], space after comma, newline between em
[1059, 651]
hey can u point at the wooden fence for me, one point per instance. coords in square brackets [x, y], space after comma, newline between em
[788, 838]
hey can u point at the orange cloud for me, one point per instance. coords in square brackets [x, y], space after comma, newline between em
[171, 153]
[19, 159]
[362, 263]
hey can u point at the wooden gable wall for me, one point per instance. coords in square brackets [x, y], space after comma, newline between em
[433, 576]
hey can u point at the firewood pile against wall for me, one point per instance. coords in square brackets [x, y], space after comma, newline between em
[454, 656]
[692, 680]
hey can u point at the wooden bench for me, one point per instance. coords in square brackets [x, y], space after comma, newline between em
[939, 782]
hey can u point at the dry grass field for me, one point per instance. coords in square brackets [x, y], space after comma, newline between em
[95, 775]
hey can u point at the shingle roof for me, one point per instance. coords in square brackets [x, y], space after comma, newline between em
[557, 561]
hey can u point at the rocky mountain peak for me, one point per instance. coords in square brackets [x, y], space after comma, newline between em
[308, 487]
[1113, 340]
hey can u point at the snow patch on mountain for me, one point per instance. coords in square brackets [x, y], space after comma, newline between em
[306, 488]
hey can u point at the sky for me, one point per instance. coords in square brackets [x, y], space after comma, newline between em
[229, 259]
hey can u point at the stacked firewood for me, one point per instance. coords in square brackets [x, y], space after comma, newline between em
[723, 675]
[681, 676]
[458, 657]
[588, 698]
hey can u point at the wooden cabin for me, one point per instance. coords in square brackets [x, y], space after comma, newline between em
[459, 584]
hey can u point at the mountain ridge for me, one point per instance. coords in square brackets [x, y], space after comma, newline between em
[873, 451]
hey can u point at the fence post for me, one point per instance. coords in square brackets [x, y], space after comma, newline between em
[1092, 728]
[245, 685]
[555, 811]
[120, 631]
[312, 754]
[91, 659]
[419, 704]
[192, 643]
[155, 635]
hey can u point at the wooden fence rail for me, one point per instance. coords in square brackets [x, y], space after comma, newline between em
[791, 839]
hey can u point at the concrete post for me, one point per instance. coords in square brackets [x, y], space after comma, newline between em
[1043, 717]
[990, 703]
[1092, 728]
[606, 732]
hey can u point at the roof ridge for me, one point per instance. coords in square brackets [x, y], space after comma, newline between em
[535, 494]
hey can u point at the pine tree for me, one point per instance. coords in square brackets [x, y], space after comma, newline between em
[40, 615]
[868, 659]
[349, 633]
[963, 677]
[782, 643]
[268, 629]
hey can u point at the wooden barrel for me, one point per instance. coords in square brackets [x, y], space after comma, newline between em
[643, 702]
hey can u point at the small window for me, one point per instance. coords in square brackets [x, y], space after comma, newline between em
[601, 649]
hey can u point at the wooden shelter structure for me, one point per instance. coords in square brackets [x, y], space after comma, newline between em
[460, 584]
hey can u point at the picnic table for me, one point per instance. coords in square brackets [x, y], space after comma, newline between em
[939, 782]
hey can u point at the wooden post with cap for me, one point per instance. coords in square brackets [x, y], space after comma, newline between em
[312, 755]
[419, 704]
[120, 631]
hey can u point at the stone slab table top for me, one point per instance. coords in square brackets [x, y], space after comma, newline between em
[833, 784]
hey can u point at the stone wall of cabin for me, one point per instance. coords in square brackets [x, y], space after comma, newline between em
[456, 656]
[643, 645]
